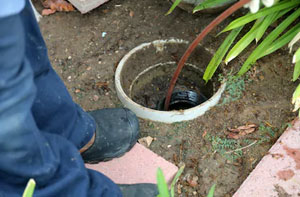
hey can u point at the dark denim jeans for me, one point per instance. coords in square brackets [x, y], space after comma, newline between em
[41, 128]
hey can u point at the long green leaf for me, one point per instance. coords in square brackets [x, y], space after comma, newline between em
[268, 21]
[174, 5]
[212, 191]
[244, 41]
[296, 70]
[176, 179]
[29, 188]
[267, 41]
[220, 53]
[264, 26]
[256, 31]
[263, 12]
[161, 184]
[283, 40]
[208, 4]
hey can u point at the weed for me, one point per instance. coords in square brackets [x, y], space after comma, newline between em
[223, 145]
[235, 87]
[267, 133]
[151, 125]
[178, 126]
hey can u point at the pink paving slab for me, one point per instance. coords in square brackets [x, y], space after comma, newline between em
[278, 173]
[139, 165]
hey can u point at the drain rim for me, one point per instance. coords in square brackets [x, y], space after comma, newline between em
[157, 115]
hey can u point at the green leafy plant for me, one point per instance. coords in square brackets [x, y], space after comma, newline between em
[228, 148]
[285, 12]
[235, 87]
[28, 192]
[162, 184]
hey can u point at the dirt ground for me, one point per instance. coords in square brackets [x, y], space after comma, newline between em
[85, 49]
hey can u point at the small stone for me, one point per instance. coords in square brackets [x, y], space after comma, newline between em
[89, 68]
[131, 13]
[169, 146]
[146, 141]
[95, 98]
[261, 77]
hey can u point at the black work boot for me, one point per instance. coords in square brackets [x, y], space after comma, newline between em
[139, 190]
[117, 130]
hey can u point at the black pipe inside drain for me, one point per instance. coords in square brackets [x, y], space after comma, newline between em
[182, 100]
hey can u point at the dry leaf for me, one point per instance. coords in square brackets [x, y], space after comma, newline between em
[241, 131]
[204, 134]
[57, 5]
[47, 12]
[102, 84]
[146, 141]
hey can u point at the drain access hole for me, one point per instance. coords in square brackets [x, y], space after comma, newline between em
[190, 90]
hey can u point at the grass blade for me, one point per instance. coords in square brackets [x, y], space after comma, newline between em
[283, 40]
[211, 191]
[220, 53]
[267, 41]
[161, 184]
[296, 69]
[263, 12]
[174, 5]
[29, 188]
[208, 4]
[176, 179]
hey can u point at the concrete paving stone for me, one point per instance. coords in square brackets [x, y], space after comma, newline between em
[278, 173]
[85, 6]
[139, 165]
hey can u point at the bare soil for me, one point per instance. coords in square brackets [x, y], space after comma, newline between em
[85, 49]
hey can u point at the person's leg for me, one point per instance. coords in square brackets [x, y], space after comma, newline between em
[55, 112]
[26, 152]
[53, 108]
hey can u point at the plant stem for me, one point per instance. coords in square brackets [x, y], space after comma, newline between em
[194, 44]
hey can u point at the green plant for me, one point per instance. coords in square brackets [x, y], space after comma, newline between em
[228, 148]
[285, 12]
[28, 192]
[268, 133]
[235, 87]
[162, 184]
